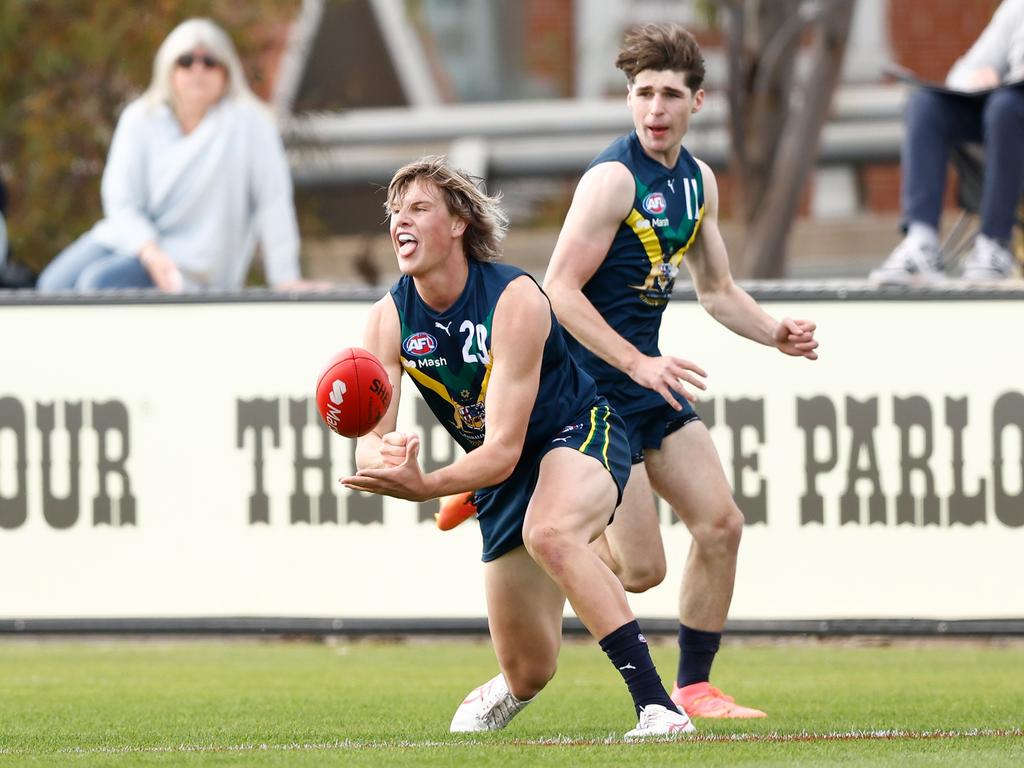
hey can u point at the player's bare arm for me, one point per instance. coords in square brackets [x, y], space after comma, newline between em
[602, 200]
[727, 302]
[382, 337]
[521, 325]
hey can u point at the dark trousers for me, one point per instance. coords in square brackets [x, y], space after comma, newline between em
[936, 122]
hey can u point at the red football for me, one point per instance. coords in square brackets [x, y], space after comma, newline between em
[353, 392]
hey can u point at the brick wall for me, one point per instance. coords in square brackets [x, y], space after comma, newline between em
[928, 35]
[548, 51]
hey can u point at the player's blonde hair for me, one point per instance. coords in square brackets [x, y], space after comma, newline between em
[486, 222]
[661, 47]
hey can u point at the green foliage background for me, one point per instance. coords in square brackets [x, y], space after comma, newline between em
[69, 67]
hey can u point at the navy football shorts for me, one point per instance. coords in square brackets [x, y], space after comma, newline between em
[597, 432]
[646, 429]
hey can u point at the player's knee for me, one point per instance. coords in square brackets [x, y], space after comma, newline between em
[721, 531]
[643, 576]
[527, 677]
[546, 544]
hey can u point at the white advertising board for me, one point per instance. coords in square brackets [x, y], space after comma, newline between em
[166, 460]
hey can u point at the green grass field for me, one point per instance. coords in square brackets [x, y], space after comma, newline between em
[273, 703]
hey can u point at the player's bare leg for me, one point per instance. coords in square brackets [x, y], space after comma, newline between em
[573, 499]
[525, 594]
[631, 546]
[687, 473]
[524, 613]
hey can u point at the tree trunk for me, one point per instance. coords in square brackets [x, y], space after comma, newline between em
[768, 232]
[776, 124]
[759, 86]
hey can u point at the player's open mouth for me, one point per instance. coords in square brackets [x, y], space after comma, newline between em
[406, 244]
[658, 131]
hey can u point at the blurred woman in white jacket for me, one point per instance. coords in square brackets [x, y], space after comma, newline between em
[195, 177]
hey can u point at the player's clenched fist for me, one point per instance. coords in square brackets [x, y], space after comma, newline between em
[393, 448]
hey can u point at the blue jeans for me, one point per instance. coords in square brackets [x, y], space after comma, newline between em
[935, 123]
[87, 265]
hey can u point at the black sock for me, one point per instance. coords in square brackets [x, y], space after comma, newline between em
[628, 651]
[697, 651]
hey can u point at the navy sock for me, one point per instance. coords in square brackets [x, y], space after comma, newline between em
[697, 651]
[628, 651]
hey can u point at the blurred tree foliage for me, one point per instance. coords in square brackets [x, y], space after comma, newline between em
[70, 67]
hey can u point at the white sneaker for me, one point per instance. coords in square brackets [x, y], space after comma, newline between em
[988, 261]
[488, 708]
[911, 263]
[656, 720]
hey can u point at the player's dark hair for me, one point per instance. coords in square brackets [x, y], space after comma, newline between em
[486, 222]
[661, 47]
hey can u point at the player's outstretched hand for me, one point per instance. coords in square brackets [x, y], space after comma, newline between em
[403, 481]
[666, 375]
[796, 338]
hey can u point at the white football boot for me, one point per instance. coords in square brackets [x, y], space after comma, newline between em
[656, 720]
[488, 708]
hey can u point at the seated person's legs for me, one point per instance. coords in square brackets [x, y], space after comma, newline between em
[63, 273]
[118, 271]
[1003, 185]
[934, 123]
[3, 240]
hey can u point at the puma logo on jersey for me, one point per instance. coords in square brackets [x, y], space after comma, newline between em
[446, 328]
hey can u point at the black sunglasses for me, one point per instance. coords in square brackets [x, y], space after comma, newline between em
[186, 60]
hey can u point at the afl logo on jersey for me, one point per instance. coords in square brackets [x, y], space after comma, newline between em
[655, 203]
[419, 344]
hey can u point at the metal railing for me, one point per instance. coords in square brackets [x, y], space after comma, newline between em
[545, 138]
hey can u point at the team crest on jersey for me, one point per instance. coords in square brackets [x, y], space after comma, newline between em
[419, 344]
[655, 203]
[472, 417]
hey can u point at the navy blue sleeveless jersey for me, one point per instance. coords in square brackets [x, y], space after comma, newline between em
[448, 356]
[634, 283]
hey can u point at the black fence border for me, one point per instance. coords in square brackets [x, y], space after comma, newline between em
[762, 290]
[361, 627]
